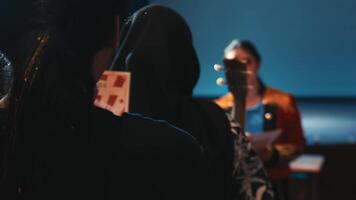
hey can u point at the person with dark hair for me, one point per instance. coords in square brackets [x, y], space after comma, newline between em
[58, 145]
[157, 49]
[269, 111]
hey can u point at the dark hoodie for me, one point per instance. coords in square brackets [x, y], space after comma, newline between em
[157, 49]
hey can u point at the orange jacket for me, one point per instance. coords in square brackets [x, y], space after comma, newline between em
[291, 142]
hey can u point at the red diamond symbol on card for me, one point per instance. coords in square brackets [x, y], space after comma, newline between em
[120, 80]
[112, 100]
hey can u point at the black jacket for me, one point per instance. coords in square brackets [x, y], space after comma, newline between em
[129, 157]
[145, 159]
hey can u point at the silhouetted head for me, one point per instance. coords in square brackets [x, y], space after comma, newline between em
[58, 48]
[157, 48]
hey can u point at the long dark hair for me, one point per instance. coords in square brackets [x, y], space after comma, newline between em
[251, 49]
[52, 45]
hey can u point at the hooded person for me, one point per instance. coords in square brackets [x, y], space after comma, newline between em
[157, 49]
[58, 144]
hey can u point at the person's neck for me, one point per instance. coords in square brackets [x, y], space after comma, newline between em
[253, 101]
[253, 97]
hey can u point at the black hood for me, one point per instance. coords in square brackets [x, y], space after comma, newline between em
[157, 41]
[156, 47]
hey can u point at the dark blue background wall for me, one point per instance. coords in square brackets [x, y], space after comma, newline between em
[308, 46]
[308, 49]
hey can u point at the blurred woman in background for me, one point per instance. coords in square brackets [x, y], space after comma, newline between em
[269, 111]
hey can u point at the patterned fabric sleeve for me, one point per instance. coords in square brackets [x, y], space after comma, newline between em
[250, 178]
[5, 74]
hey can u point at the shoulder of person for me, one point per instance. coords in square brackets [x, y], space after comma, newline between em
[134, 131]
[214, 114]
[155, 133]
[225, 102]
[280, 98]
